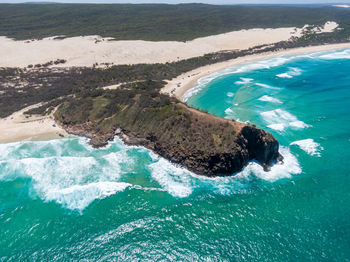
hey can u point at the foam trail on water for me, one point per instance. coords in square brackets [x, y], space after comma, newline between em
[267, 98]
[309, 146]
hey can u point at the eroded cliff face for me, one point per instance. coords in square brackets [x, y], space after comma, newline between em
[202, 143]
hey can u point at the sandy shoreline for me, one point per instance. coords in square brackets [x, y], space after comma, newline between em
[180, 85]
[18, 126]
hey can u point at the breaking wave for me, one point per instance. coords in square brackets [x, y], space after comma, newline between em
[264, 64]
[293, 71]
[244, 81]
[289, 167]
[73, 174]
[309, 146]
[267, 86]
[280, 120]
[267, 98]
[345, 54]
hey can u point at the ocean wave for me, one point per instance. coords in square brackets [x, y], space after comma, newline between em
[279, 120]
[289, 167]
[345, 54]
[267, 98]
[263, 64]
[81, 196]
[267, 86]
[284, 75]
[180, 182]
[74, 182]
[230, 114]
[244, 81]
[175, 180]
[293, 71]
[230, 94]
[228, 111]
[309, 146]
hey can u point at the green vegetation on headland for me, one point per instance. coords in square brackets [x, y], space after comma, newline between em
[157, 22]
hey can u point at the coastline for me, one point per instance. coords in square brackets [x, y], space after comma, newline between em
[18, 127]
[180, 85]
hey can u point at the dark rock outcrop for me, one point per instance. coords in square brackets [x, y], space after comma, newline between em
[203, 143]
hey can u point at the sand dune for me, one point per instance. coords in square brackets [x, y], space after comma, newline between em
[88, 50]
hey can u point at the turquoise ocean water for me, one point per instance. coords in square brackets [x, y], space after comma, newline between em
[63, 200]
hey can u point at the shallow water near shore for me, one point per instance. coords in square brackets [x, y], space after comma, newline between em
[61, 199]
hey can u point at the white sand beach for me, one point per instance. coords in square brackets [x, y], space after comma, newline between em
[178, 86]
[18, 126]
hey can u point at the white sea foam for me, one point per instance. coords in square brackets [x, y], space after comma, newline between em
[72, 181]
[289, 167]
[267, 98]
[284, 75]
[293, 71]
[279, 120]
[264, 64]
[309, 146]
[76, 181]
[244, 81]
[117, 160]
[279, 127]
[228, 111]
[229, 114]
[230, 94]
[298, 124]
[175, 180]
[345, 54]
[80, 196]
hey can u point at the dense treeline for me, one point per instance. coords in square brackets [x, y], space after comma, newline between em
[156, 21]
